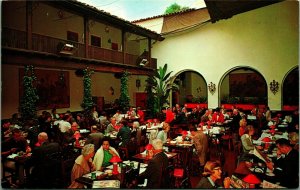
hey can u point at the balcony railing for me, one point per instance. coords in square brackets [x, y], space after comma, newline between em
[17, 39]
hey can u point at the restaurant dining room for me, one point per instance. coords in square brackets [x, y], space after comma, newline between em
[201, 98]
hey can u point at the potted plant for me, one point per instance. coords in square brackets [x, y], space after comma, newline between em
[160, 86]
[124, 100]
[29, 100]
[87, 102]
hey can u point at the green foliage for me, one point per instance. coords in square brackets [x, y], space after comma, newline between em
[151, 100]
[243, 100]
[160, 86]
[175, 8]
[30, 97]
[124, 100]
[199, 100]
[87, 102]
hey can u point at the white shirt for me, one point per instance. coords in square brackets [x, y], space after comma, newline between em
[64, 126]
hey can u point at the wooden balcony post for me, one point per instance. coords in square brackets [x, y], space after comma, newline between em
[123, 46]
[29, 25]
[86, 37]
[149, 54]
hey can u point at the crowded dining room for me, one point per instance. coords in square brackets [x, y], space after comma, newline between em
[92, 100]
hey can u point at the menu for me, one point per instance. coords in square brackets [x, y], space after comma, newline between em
[236, 182]
[260, 155]
[106, 184]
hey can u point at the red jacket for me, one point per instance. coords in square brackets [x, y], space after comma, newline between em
[217, 118]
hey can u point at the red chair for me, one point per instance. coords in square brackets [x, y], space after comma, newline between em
[178, 175]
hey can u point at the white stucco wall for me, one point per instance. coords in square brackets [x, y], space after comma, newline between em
[265, 39]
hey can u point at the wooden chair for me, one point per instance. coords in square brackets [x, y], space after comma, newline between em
[9, 174]
[66, 170]
[228, 138]
[123, 151]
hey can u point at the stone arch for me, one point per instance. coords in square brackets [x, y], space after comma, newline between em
[290, 89]
[241, 70]
[201, 89]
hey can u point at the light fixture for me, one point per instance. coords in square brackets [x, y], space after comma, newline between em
[252, 180]
[211, 87]
[274, 86]
[65, 48]
[106, 29]
[144, 62]
[115, 160]
[138, 83]
[149, 149]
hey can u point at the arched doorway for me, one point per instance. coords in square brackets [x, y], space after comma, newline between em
[191, 88]
[290, 91]
[243, 87]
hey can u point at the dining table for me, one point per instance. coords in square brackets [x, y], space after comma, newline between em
[20, 160]
[144, 158]
[259, 168]
[106, 179]
[184, 149]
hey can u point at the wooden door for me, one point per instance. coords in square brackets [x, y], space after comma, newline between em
[140, 99]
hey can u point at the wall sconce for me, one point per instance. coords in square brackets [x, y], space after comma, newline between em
[111, 91]
[198, 89]
[274, 86]
[138, 83]
[106, 29]
[212, 88]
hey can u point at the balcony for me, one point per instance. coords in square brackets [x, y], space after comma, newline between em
[12, 38]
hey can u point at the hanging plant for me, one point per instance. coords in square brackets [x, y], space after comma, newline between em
[87, 102]
[29, 100]
[124, 100]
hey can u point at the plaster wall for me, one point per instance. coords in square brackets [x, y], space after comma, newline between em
[265, 39]
[101, 82]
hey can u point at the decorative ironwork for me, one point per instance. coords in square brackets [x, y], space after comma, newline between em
[211, 87]
[274, 86]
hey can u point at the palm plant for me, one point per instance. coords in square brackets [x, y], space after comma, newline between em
[159, 85]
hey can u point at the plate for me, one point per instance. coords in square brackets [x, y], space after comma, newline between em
[270, 174]
[271, 155]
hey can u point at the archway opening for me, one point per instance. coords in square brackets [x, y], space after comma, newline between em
[290, 96]
[191, 88]
[243, 86]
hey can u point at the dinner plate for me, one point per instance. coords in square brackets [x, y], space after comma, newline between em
[258, 170]
[270, 174]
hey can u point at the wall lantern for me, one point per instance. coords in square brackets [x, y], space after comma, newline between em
[211, 87]
[66, 49]
[143, 62]
[138, 83]
[274, 86]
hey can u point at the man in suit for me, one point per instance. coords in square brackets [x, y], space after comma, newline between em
[156, 172]
[95, 137]
[200, 141]
[46, 163]
[286, 169]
